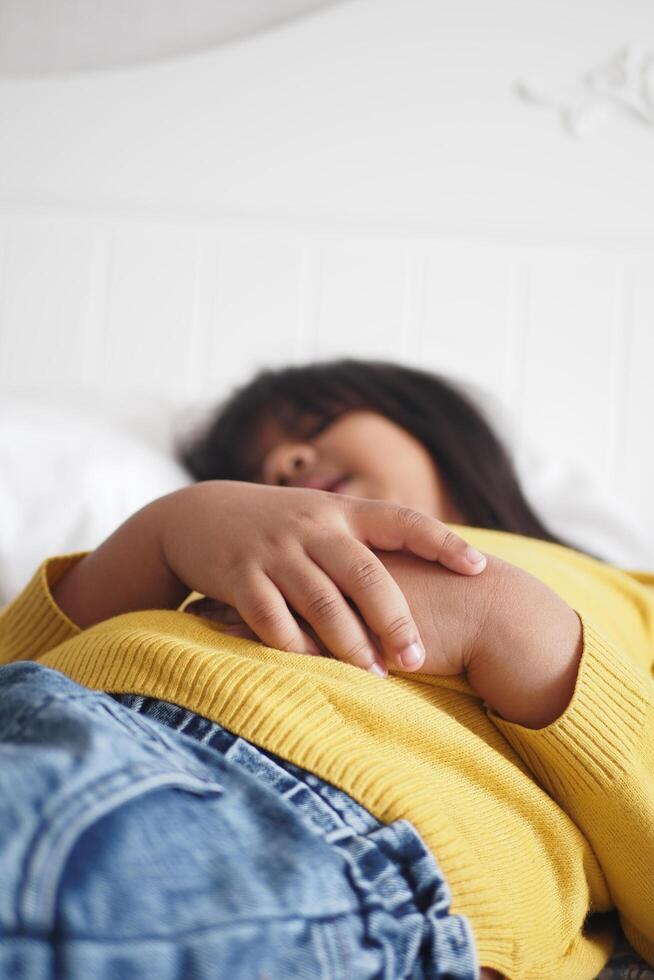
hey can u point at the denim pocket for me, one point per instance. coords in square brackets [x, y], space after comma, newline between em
[74, 815]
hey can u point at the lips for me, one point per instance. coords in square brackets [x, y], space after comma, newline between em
[340, 486]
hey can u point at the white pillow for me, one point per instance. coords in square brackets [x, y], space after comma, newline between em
[571, 501]
[577, 507]
[66, 483]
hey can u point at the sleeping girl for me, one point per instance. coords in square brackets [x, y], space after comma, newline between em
[402, 731]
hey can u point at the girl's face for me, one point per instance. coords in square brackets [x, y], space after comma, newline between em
[362, 454]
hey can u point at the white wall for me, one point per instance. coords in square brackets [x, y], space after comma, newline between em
[362, 182]
[382, 109]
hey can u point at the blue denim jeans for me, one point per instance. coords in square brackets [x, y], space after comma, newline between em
[139, 840]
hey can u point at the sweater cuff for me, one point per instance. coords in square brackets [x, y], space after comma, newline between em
[589, 746]
[33, 623]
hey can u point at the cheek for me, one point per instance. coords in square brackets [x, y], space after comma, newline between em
[413, 480]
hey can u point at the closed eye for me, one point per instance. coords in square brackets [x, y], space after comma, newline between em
[324, 424]
[303, 433]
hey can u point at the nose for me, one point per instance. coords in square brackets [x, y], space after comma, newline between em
[288, 462]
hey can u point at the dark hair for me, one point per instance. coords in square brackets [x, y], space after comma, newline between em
[475, 467]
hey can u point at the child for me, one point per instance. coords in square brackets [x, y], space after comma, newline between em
[516, 739]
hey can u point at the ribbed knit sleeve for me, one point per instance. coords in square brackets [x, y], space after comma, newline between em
[33, 624]
[597, 761]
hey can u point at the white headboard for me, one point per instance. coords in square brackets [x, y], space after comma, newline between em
[363, 183]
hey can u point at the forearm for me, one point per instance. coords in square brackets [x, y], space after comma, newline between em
[577, 710]
[526, 662]
[596, 759]
[126, 573]
[517, 642]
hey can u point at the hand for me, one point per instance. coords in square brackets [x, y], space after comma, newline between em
[454, 613]
[234, 625]
[450, 611]
[257, 548]
[518, 642]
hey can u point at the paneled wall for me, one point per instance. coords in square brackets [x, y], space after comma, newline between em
[562, 335]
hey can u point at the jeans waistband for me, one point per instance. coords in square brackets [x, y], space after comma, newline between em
[395, 875]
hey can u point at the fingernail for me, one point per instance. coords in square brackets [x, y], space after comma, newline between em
[378, 670]
[474, 556]
[412, 655]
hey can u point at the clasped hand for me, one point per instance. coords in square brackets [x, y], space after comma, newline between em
[312, 572]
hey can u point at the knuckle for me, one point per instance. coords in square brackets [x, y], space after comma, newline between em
[322, 605]
[399, 627]
[366, 573]
[272, 623]
[309, 523]
[358, 654]
[289, 645]
[279, 541]
[317, 511]
[266, 615]
[409, 518]
[449, 542]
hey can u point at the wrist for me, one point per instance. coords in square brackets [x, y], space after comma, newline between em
[161, 519]
[525, 661]
[127, 572]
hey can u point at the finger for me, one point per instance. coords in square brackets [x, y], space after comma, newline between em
[381, 602]
[234, 625]
[263, 608]
[309, 630]
[231, 623]
[391, 527]
[214, 609]
[244, 631]
[320, 602]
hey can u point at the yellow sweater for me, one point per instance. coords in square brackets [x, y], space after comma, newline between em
[533, 829]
